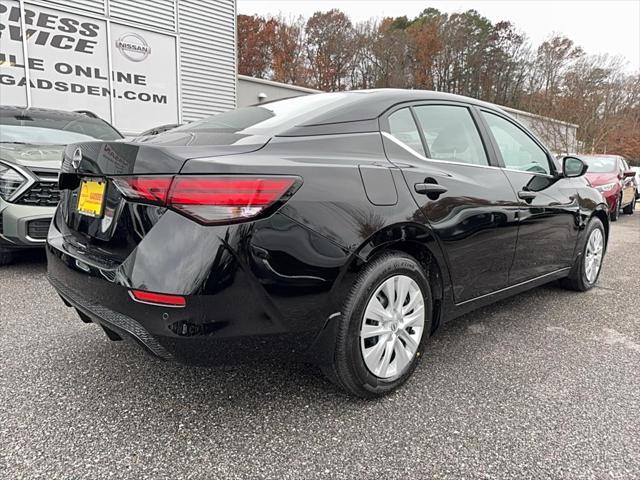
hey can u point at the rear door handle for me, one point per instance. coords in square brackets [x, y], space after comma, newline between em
[526, 196]
[431, 189]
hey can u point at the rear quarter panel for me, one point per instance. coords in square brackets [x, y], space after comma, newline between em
[332, 201]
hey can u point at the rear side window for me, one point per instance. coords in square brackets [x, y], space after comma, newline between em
[404, 128]
[518, 150]
[451, 134]
[271, 118]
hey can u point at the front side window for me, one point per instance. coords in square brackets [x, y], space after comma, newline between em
[625, 166]
[451, 134]
[404, 128]
[518, 150]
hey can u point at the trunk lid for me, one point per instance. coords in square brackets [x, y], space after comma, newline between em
[123, 224]
[161, 154]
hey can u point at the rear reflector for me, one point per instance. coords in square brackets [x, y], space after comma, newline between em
[213, 199]
[160, 299]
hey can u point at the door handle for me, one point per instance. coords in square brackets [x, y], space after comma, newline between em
[430, 189]
[526, 196]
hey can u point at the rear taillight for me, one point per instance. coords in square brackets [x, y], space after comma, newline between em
[213, 199]
[150, 189]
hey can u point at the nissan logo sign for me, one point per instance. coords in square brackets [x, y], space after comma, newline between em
[133, 46]
[77, 158]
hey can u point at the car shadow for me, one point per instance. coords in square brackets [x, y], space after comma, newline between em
[29, 258]
[253, 387]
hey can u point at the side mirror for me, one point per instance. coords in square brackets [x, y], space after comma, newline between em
[573, 167]
[629, 174]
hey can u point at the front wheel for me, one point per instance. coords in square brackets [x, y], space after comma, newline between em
[586, 269]
[385, 323]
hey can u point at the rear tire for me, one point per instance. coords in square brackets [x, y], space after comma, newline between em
[581, 277]
[630, 208]
[404, 327]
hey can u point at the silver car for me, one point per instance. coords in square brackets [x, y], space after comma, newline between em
[31, 145]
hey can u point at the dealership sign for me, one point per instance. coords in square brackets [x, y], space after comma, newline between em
[68, 58]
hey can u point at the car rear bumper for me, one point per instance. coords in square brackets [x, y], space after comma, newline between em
[249, 315]
[199, 334]
[24, 226]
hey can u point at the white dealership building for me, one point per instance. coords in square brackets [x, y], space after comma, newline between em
[135, 63]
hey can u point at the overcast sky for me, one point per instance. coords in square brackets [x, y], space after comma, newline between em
[604, 26]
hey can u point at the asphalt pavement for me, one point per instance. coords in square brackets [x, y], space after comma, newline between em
[543, 385]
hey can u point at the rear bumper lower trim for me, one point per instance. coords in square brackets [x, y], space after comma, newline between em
[112, 319]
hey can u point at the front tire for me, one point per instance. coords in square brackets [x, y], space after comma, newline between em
[385, 323]
[615, 213]
[7, 257]
[586, 269]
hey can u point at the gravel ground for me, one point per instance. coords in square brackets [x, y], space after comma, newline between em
[544, 385]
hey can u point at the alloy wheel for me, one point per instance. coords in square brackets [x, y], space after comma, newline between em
[392, 327]
[593, 255]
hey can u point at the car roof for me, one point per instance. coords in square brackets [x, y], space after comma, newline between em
[370, 104]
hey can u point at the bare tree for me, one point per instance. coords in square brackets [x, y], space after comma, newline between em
[330, 49]
[462, 53]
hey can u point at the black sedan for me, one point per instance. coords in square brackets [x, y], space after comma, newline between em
[340, 228]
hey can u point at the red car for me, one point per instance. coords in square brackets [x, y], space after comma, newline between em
[611, 175]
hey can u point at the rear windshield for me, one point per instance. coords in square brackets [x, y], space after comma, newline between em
[49, 128]
[601, 164]
[270, 118]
